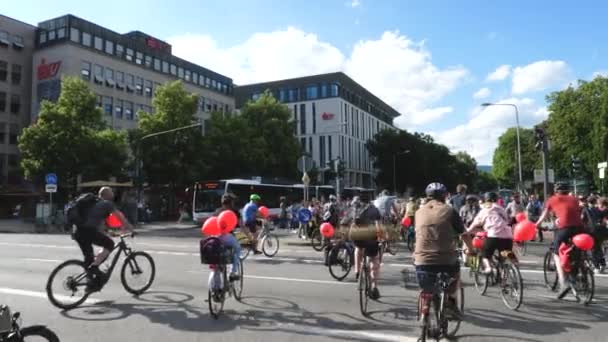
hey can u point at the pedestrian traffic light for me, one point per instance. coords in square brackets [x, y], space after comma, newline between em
[576, 165]
[539, 134]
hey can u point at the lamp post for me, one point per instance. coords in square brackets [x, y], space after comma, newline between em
[395, 169]
[519, 184]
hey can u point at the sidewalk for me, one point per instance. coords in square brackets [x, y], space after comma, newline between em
[17, 226]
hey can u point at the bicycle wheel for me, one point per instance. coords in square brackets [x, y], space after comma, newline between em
[340, 268]
[140, 266]
[481, 280]
[391, 247]
[237, 286]
[70, 276]
[316, 240]
[38, 331]
[512, 286]
[451, 327]
[364, 285]
[550, 272]
[270, 245]
[216, 300]
[585, 284]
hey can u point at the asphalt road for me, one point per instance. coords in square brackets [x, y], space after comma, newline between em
[291, 297]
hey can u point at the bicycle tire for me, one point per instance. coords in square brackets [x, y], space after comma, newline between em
[43, 332]
[213, 310]
[269, 240]
[132, 263]
[450, 334]
[589, 280]
[510, 270]
[364, 291]
[391, 247]
[550, 272]
[316, 241]
[481, 287]
[238, 290]
[49, 285]
[348, 260]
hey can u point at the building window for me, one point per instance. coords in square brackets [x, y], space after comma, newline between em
[15, 104]
[323, 90]
[98, 74]
[214, 106]
[139, 85]
[194, 78]
[165, 67]
[312, 92]
[322, 160]
[120, 80]
[139, 57]
[74, 35]
[109, 47]
[18, 42]
[98, 101]
[42, 37]
[213, 84]
[180, 72]
[310, 145]
[110, 78]
[16, 74]
[85, 71]
[52, 35]
[314, 118]
[2, 141]
[207, 82]
[148, 61]
[295, 119]
[61, 33]
[118, 109]
[129, 110]
[129, 55]
[333, 90]
[2, 101]
[201, 80]
[156, 64]
[303, 144]
[303, 119]
[86, 39]
[130, 83]
[4, 38]
[329, 148]
[187, 75]
[173, 70]
[3, 70]
[13, 134]
[148, 88]
[120, 50]
[98, 43]
[282, 95]
[107, 105]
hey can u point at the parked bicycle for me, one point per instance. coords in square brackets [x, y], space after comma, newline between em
[74, 276]
[268, 241]
[432, 310]
[11, 330]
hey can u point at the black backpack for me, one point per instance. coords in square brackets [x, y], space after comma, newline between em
[213, 251]
[78, 209]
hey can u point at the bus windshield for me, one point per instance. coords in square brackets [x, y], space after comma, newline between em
[208, 197]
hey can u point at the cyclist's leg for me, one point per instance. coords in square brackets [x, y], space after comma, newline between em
[359, 249]
[561, 236]
[85, 243]
[104, 241]
[372, 250]
[489, 247]
[230, 240]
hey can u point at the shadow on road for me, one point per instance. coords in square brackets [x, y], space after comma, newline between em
[493, 338]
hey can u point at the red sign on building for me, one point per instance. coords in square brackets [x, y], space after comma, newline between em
[153, 43]
[46, 71]
[327, 116]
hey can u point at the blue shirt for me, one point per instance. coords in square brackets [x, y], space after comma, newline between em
[249, 212]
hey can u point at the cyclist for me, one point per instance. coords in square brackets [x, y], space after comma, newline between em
[250, 216]
[494, 220]
[91, 233]
[470, 210]
[515, 207]
[534, 209]
[230, 240]
[599, 214]
[568, 224]
[386, 205]
[438, 227]
[457, 201]
[365, 216]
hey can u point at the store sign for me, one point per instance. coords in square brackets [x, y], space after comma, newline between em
[327, 116]
[46, 71]
[153, 43]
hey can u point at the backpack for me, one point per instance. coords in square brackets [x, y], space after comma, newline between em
[78, 209]
[213, 251]
[359, 214]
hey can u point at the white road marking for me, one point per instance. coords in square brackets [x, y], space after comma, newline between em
[43, 260]
[20, 292]
[300, 280]
[36, 245]
[353, 334]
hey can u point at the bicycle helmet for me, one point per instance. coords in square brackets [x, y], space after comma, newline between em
[436, 190]
[471, 198]
[255, 197]
[561, 187]
[332, 198]
[491, 197]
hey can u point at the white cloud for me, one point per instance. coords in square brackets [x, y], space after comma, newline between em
[602, 73]
[393, 67]
[539, 76]
[501, 73]
[481, 94]
[479, 136]
[355, 3]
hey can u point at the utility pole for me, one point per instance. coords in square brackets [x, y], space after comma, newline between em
[543, 146]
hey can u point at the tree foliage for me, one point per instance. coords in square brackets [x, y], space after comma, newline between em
[504, 163]
[70, 138]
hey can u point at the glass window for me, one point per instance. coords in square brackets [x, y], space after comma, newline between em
[128, 110]
[42, 37]
[213, 84]
[333, 90]
[314, 118]
[148, 61]
[52, 35]
[85, 71]
[207, 82]
[13, 134]
[129, 55]
[61, 33]
[311, 92]
[3, 70]
[120, 50]
[98, 101]
[2, 141]
[187, 75]
[109, 77]
[201, 80]
[156, 64]
[139, 85]
[180, 72]
[303, 119]
[86, 39]
[75, 35]
[224, 89]
[98, 74]
[323, 90]
[148, 88]
[194, 78]
[107, 105]
[15, 104]
[165, 67]
[139, 57]
[173, 69]
[2, 101]
[118, 109]
[4, 38]
[120, 77]
[98, 43]
[129, 80]
[109, 47]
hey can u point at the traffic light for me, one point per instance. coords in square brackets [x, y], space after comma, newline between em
[539, 134]
[576, 165]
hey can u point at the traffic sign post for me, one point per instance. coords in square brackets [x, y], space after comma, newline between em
[602, 167]
[50, 188]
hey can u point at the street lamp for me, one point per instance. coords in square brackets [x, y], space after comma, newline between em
[518, 143]
[395, 169]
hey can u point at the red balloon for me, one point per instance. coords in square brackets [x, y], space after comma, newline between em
[524, 231]
[482, 235]
[227, 220]
[520, 217]
[113, 222]
[583, 241]
[263, 211]
[327, 230]
[406, 221]
[211, 227]
[478, 242]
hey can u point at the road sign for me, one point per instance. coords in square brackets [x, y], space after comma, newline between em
[602, 165]
[539, 176]
[51, 178]
[305, 163]
[306, 179]
[304, 215]
[51, 188]
[602, 173]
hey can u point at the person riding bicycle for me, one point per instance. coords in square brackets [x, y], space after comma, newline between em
[91, 233]
[386, 206]
[438, 226]
[494, 220]
[515, 207]
[568, 224]
[366, 215]
[250, 216]
[229, 239]
[331, 212]
[470, 210]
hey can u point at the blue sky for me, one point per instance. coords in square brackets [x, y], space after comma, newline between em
[426, 58]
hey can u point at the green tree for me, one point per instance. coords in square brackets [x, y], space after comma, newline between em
[70, 138]
[484, 182]
[504, 162]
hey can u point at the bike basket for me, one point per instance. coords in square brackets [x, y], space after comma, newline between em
[6, 320]
[213, 251]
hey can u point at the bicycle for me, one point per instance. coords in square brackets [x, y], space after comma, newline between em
[220, 286]
[580, 277]
[431, 309]
[317, 240]
[268, 240]
[81, 276]
[364, 285]
[11, 330]
[341, 257]
[505, 274]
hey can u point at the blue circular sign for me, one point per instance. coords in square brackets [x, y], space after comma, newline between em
[51, 178]
[304, 215]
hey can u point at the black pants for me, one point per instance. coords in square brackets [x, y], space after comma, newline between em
[86, 238]
[600, 234]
